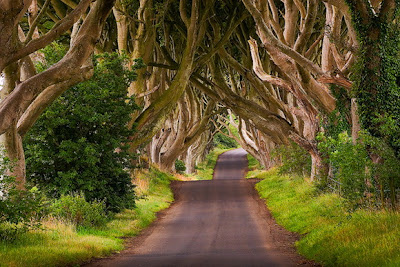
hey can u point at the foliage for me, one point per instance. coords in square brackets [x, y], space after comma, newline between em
[76, 210]
[355, 176]
[348, 161]
[253, 163]
[376, 85]
[53, 53]
[385, 170]
[224, 141]
[63, 244]
[180, 166]
[294, 159]
[20, 210]
[377, 73]
[329, 233]
[77, 145]
[338, 121]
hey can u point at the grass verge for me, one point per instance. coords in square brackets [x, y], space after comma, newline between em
[254, 167]
[60, 244]
[330, 234]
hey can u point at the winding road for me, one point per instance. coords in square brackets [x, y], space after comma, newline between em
[212, 223]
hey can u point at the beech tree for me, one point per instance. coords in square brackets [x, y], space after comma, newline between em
[289, 50]
[171, 56]
[27, 93]
[186, 126]
[377, 76]
[282, 68]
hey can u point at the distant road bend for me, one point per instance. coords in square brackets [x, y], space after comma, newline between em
[213, 223]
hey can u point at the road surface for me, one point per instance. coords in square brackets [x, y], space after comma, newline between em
[213, 223]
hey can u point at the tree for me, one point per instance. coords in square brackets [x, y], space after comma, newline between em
[377, 75]
[377, 84]
[79, 144]
[27, 93]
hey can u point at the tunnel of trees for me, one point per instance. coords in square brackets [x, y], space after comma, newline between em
[92, 87]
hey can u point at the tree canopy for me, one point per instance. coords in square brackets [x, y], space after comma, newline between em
[264, 72]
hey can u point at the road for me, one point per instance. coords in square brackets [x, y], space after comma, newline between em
[213, 223]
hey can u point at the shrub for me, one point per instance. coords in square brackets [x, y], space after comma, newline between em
[358, 177]
[294, 159]
[77, 145]
[386, 171]
[348, 162]
[180, 166]
[76, 210]
[20, 210]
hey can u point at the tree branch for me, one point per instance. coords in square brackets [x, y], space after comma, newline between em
[59, 28]
[36, 21]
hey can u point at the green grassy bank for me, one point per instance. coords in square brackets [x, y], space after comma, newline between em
[60, 243]
[330, 234]
[254, 167]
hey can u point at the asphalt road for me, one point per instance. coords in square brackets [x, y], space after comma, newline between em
[213, 223]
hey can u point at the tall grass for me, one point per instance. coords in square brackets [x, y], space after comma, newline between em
[60, 243]
[57, 245]
[331, 234]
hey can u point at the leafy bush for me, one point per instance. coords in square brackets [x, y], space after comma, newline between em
[294, 159]
[180, 166]
[20, 210]
[358, 177]
[53, 53]
[386, 172]
[75, 209]
[348, 162]
[77, 145]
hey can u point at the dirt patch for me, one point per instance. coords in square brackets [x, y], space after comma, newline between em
[282, 239]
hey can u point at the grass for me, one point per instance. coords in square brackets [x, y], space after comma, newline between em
[330, 234]
[60, 243]
[255, 167]
[205, 169]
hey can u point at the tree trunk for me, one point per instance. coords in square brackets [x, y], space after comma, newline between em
[14, 150]
[355, 122]
[319, 169]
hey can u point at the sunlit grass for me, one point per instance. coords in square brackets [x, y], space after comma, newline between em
[253, 163]
[60, 243]
[331, 235]
[254, 167]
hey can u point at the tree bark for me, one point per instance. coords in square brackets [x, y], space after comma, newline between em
[14, 150]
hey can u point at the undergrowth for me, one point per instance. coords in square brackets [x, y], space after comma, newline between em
[331, 234]
[254, 167]
[61, 243]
